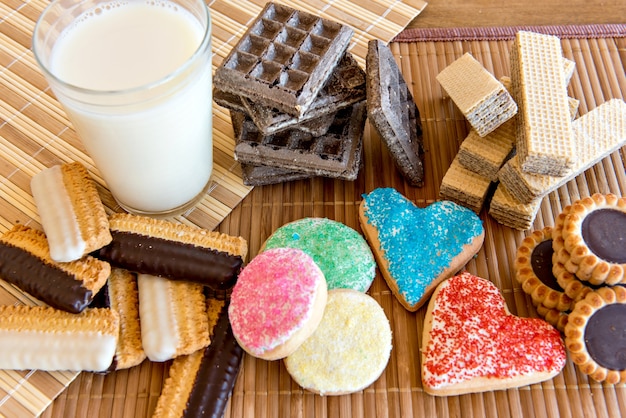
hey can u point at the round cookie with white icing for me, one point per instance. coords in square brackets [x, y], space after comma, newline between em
[594, 234]
[416, 248]
[348, 351]
[277, 302]
[595, 334]
[340, 251]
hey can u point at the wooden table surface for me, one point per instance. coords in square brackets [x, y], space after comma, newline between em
[477, 13]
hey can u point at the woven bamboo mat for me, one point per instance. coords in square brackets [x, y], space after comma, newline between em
[34, 134]
[264, 389]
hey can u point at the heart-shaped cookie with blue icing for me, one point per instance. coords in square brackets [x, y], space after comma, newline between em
[416, 248]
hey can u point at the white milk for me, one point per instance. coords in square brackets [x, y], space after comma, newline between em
[155, 155]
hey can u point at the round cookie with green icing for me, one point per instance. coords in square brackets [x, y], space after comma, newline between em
[340, 251]
[595, 334]
[417, 248]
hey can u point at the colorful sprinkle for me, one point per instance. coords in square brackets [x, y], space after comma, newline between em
[340, 251]
[419, 243]
[273, 297]
[473, 335]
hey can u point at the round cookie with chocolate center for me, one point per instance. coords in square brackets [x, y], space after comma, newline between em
[595, 334]
[533, 270]
[594, 234]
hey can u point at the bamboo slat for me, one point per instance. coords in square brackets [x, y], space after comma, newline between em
[35, 133]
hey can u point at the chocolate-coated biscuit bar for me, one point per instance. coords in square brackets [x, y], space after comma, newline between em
[284, 58]
[26, 263]
[201, 383]
[393, 113]
[44, 338]
[173, 317]
[336, 154]
[72, 214]
[120, 294]
[176, 251]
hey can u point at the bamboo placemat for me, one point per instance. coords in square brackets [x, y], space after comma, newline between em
[35, 133]
[264, 389]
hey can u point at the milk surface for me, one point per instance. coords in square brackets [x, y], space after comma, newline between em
[154, 154]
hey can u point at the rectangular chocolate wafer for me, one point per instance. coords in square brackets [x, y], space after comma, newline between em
[336, 154]
[544, 143]
[284, 58]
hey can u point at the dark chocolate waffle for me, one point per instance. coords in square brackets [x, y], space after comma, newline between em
[393, 112]
[335, 154]
[284, 59]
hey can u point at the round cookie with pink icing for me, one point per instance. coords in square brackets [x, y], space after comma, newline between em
[277, 303]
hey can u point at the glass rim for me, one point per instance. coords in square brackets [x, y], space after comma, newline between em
[144, 87]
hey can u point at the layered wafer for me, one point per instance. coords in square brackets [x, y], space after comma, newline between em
[284, 58]
[72, 214]
[510, 212]
[597, 134]
[464, 186]
[544, 144]
[393, 112]
[345, 87]
[173, 317]
[121, 295]
[44, 338]
[176, 251]
[481, 98]
[201, 383]
[26, 263]
[336, 154]
[485, 155]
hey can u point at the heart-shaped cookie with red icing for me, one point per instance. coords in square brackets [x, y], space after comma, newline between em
[472, 343]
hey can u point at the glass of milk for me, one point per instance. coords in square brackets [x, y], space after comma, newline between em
[135, 79]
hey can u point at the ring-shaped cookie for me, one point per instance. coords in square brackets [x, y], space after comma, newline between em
[572, 286]
[560, 255]
[554, 317]
[595, 335]
[594, 234]
[533, 270]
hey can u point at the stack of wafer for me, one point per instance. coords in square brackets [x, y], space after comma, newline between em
[539, 149]
[297, 98]
[491, 138]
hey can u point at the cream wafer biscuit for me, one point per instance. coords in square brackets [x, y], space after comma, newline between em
[544, 144]
[200, 384]
[176, 251]
[260, 175]
[72, 214]
[464, 186]
[284, 58]
[393, 112]
[510, 212]
[173, 317]
[486, 155]
[44, 338]
[594, 233]
[120, 294]
[597, 134]
[481, 98]
[26, 263]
